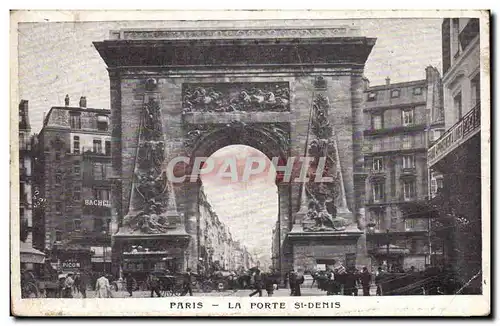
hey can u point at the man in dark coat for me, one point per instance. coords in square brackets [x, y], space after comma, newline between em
[292, 279]
[187, 283]
[350, 283]
[129, 283]
[366, 279]
[299, 279]
[257, 283]
[154, 285]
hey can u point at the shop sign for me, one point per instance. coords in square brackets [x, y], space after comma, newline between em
[70, 264]
[97, 202]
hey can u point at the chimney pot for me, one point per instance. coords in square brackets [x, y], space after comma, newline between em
[388, 81]
[83, 102]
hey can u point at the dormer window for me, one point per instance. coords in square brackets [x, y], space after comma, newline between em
[102, 123]
[395, 93]
[372, 96]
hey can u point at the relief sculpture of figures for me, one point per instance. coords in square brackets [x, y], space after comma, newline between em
[218, 98]
[151, 181]
[322, 210]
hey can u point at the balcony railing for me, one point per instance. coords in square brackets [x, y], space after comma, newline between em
[456, 135]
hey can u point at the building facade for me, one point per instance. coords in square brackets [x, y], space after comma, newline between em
[72, 170]
[218, 249]
[401, 120]
[457, 153]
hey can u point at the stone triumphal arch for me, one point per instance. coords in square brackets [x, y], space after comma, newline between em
[288, 92]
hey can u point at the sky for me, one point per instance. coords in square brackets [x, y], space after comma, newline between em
[56, 59]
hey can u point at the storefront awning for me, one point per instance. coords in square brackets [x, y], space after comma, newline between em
[30, 255]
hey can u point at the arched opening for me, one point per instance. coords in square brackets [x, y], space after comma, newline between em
[239, 210]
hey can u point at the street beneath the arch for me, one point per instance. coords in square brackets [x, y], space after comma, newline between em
[229, 293]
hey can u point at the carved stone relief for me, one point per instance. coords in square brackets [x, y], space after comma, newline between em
[236, 97]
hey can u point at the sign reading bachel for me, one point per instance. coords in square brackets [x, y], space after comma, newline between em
[97, 202]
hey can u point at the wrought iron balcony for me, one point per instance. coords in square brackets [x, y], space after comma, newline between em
[464, 129]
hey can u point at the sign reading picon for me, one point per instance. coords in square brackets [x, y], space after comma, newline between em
[97, 202]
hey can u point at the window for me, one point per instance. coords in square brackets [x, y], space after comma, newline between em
[97, 146]
[457, 105]
[77, 224]
[77, 193]
[378, 192]
[408, 190]
[417, 91]
[378, 164]
[58, 236]
[58, 178]
[101, 194]
[68, 226]
[475, 90]
[102, 123]
[435, 134]
[372, 96]
[410, 224]
[378, 216]
[377, 122]
[107, 147]
[406, 142]
[76, 168]
[408, 162]
[395, 93]
[57, 156]
[99, 170]
[98, 225]
[74, 121]
[58, 207]
[76, 145]
[408, 118]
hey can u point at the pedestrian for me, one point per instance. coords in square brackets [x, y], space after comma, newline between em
[154, 285]
[366, 278]
[102, 287]
[350, 283]
[378, 280]
[84, 280]
[285, 281]
[257, 283]
[76, 285]
[269, 284]
[187, 283]
[68, 286]
[299, 279]
[129, 283]
[292, 278]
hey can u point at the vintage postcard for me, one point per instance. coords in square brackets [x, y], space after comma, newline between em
[259, 163]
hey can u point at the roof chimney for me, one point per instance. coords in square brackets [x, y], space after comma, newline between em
[66, 100]
[83, 102]
[387, 81]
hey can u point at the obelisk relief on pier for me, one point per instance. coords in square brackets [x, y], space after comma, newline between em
[323, 203]
[153, 208]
